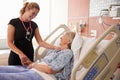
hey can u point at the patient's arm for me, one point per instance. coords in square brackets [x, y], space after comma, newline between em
[43, 67]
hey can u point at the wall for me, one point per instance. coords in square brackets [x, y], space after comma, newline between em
[52, 14]
[9, 10]
[96, 9]
[79, 10]
[58, 13]
[95, 25]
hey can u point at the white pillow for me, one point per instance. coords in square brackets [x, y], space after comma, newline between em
[77, 42]
[76, 46]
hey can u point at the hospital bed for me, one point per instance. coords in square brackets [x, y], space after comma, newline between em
[95, 61]
[102, 64]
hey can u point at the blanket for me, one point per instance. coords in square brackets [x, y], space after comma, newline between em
[18, 73]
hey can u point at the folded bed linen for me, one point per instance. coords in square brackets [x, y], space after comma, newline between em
[18, 73]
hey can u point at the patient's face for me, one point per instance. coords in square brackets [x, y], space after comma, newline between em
[64, 40]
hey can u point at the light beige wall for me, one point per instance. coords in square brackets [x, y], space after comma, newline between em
[58, 13]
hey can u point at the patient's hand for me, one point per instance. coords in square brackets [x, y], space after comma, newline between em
[30, 65]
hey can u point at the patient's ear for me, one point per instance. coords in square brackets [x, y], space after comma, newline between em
[69, 45]
[69, 41]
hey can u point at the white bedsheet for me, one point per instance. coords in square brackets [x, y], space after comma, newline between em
[45, 75]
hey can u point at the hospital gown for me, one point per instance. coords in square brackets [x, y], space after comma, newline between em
[57, 60]
[60, 60]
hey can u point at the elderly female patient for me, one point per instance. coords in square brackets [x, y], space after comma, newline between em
[56, 62]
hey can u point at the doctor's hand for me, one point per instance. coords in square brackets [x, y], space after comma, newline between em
[25, 60]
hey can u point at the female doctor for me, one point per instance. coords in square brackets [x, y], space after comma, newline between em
[20, 33]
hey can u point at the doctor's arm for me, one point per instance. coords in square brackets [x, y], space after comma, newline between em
[42, 42]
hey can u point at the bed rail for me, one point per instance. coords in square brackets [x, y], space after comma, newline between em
[61, 30]
[91, 61]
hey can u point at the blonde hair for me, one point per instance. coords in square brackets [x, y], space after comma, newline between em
[71, 36]
[28, 6]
